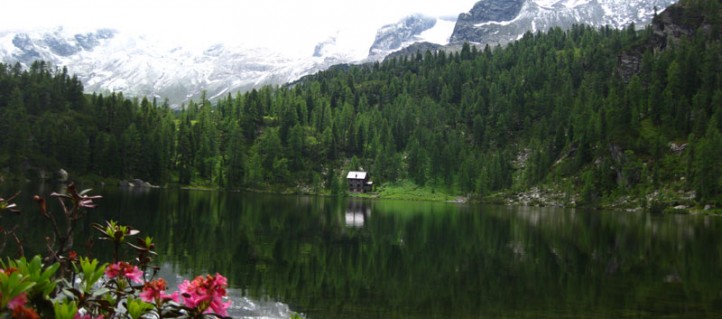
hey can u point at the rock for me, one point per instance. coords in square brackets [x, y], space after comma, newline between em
[680, 207]
[672, 278]
[136, 182]
[707, 207]
[392, 37]
[628, 64]
[677, 148]
[63, 175]
[485, 11]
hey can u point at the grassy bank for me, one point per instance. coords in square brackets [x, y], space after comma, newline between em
[407, 190]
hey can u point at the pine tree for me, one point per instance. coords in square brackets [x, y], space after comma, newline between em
[707, 168]
[186, 151]
[14, 130]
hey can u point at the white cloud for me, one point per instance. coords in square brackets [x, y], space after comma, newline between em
[280, 24]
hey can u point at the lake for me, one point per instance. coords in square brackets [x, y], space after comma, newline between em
[347, 258]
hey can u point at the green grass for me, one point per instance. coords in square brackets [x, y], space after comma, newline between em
[407, 190]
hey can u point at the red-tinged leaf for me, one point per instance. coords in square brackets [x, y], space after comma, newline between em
[98, 227]
[43, 205]
[87, 203]
[54, 194]
[138, 248]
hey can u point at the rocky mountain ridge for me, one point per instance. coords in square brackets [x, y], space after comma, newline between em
[497, 22]
[111, 60]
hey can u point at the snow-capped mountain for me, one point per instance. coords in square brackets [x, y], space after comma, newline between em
[501, 21]
[113, 60]
[412, 29]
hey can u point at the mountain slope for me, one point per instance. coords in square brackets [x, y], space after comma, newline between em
[499, 22]
[549, 113]
[113, 60]
[109, 60]
[412, 29]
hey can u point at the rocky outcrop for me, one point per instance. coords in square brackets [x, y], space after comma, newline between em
[57, 43]
[628, 64]
[469, 25]
[392, 37]
[681, 20]
[668, 27]
[136, 183]
[502, 21]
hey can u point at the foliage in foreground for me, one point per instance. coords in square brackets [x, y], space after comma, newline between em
[64, 285]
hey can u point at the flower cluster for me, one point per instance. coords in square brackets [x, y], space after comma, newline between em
[64, 285]
[126, 270]
[205, 294]
[154, 292]
[20, 310]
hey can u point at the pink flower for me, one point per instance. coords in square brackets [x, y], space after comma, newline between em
[17, 305]
[19, 301]
[154, 291]
[206, 294]
[126, 270]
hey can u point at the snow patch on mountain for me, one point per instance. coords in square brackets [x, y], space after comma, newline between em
[575, 3]
[112, 61]
[440, 33]
[501, 21]
[546, 3]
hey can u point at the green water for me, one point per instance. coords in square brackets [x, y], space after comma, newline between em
[331, 258]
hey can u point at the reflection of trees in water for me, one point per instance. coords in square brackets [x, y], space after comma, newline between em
[411, 260]
[433, 260]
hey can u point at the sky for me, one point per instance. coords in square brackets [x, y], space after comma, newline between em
[276, 24]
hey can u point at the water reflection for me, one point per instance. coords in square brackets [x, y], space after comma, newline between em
[331, 258]
[242, 307]
[357, 212]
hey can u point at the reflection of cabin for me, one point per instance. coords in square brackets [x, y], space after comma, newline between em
[357, 212]
[358, 182]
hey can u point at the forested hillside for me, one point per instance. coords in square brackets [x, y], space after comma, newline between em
[594, 114]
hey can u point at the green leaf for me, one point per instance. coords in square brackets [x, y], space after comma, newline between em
[92, 272]
[65, 310]
[137, 308]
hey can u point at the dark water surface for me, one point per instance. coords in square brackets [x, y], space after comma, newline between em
[329, 258]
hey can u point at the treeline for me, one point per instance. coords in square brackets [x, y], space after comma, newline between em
[550, 109]
[47, 123]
